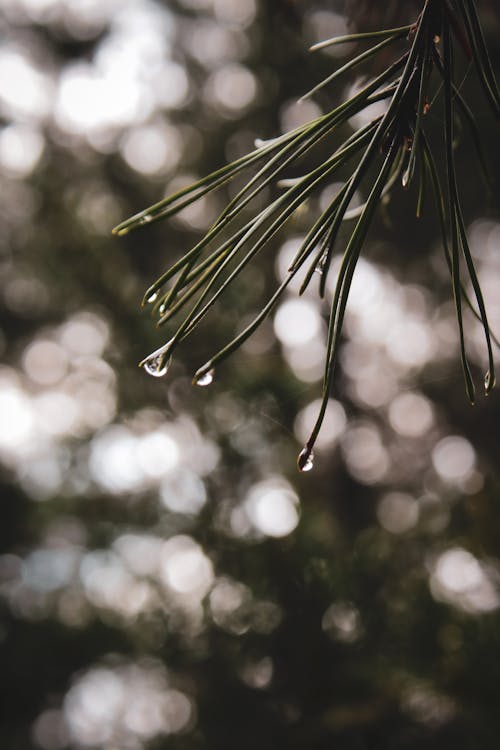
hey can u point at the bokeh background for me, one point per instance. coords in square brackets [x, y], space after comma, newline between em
[167, 578]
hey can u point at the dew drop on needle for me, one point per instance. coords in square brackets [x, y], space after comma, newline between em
[305, 461]
[157, 366]
[205, 378]
[158, 362]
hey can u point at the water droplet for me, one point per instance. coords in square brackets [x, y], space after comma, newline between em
[489, 383]
[321, 264]
[158, 362]
[305, 461]
[152, 297]
[261, 142]
[162, 308]
[205, 378]
[155, 367]
[145, 219]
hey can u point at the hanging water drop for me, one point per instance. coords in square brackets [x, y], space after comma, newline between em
[320, 267]
[158, 362]
[305, 461]
[156, 366]
[261, 142]
[489, 383]
[145, 219]
[152, 297]
[205, 378]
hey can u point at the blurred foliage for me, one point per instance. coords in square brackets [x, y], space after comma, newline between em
[167, 580]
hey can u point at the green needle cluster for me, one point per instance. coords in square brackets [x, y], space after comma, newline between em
[394, 147]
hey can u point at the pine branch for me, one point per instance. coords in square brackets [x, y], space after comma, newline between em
[393, 148]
